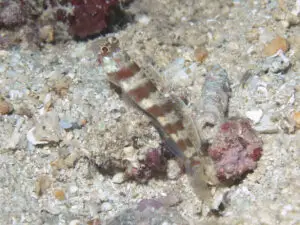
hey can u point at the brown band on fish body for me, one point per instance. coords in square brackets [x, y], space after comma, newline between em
[189, 151]
[182, 144]
[173, 128]
[127, 72]
[142, 92]
[160, 110]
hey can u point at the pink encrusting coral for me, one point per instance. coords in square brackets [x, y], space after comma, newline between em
[235, 150]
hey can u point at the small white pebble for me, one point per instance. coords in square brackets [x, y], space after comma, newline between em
[2, 68]
[143, 19]
[296, 10]
[173, 170]
[165, 223]
[4, 53]
[118, 178]
[285, 23]
[75, 222]
[106, 206]
[71, 75]
[15, 94]
[218, 198]
[102, 195]
[286, 209]
[130, 154]
[73, 189]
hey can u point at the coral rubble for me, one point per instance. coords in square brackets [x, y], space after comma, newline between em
[235, 149]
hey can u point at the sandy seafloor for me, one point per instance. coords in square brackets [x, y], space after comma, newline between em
[81, 163]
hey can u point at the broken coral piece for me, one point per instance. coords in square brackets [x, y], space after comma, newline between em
[5, 107]
[297, 119]
[200, 54]
[46, 131]
[276, 44]
[213, 103]
[42, 184]
[59, 194]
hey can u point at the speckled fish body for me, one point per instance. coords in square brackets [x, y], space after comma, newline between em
[135, 83]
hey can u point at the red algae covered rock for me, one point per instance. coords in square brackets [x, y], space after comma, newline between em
[235, 150]
[90, 16]
[51, 21]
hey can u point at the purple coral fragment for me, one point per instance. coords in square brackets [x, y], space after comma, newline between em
[155, 162]
[235, 149]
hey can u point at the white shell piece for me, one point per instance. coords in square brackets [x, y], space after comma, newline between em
[31, 138]
[254, 115]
